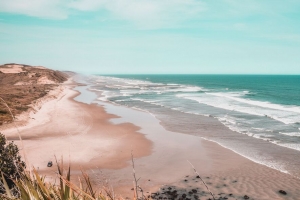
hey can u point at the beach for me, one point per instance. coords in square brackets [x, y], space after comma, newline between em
[150, 100]
[101, 138]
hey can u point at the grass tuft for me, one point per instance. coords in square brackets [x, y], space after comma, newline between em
[32, 186]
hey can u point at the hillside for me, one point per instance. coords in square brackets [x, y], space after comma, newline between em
[21, 84]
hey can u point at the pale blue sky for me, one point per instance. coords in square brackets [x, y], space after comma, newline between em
[153, 36]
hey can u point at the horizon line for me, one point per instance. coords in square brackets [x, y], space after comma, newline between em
[200, 74]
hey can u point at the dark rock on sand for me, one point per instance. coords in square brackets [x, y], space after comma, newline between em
[282, 192]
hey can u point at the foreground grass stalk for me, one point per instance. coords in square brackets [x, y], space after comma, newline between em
[6, 186]
[202, 180]
[34, 187]
[19, 134]
[136, 195]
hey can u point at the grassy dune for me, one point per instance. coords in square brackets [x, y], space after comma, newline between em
[20, 89]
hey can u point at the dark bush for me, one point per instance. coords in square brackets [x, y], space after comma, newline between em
[3, 111]
[11, 164]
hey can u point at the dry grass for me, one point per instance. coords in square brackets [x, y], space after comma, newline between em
[32, 186]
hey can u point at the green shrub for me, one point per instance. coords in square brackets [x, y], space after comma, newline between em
[11, 164]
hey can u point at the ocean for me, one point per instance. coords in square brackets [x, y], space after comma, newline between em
[261, 112]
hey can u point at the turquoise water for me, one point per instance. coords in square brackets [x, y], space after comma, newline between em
[262, 111]
[271, 88]
[266, 107]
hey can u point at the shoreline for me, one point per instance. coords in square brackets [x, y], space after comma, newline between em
[220, 127]
[227, 165]
[166, 154]
[215, 144]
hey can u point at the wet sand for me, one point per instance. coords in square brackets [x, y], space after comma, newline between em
[223, 170]
[92, 137]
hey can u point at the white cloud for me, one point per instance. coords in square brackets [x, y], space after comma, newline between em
[87, 5]
[155, 13]
[152, 13]
[144, 13]
[38, 8]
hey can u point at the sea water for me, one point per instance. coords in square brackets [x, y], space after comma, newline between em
[264, 107]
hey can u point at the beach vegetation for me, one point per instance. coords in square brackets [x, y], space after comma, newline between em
[11, 165]
[17, 183]
[31, 185]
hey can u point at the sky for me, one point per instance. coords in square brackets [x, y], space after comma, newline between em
[153, 36]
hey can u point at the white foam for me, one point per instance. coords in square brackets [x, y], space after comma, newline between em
[172, 84]
[295, 134]
[227, 100]
[132, 86]
[230, 101]
[290, 146]
[150, 102]
[121, 100]
[103, 99]
[263, 104]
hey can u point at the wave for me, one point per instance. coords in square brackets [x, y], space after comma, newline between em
[263, 104]
[294, 134]
[234, 102]
[290, 145]
[148, 101]
[239, 113]
[140, 87]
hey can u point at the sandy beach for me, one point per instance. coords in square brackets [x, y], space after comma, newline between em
[99, 138]
[150, 100]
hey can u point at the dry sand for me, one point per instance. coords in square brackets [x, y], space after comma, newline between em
[101, 144]
[14, 69]
[80, 133]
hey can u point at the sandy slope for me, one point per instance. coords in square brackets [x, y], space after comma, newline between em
[13, 69]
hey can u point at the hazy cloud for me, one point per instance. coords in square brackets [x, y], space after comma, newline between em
[146, 13]
[37, 8]
[154, 13]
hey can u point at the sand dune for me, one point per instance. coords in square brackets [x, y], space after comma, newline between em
[12, 69]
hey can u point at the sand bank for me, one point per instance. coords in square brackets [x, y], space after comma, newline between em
[92, 137]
